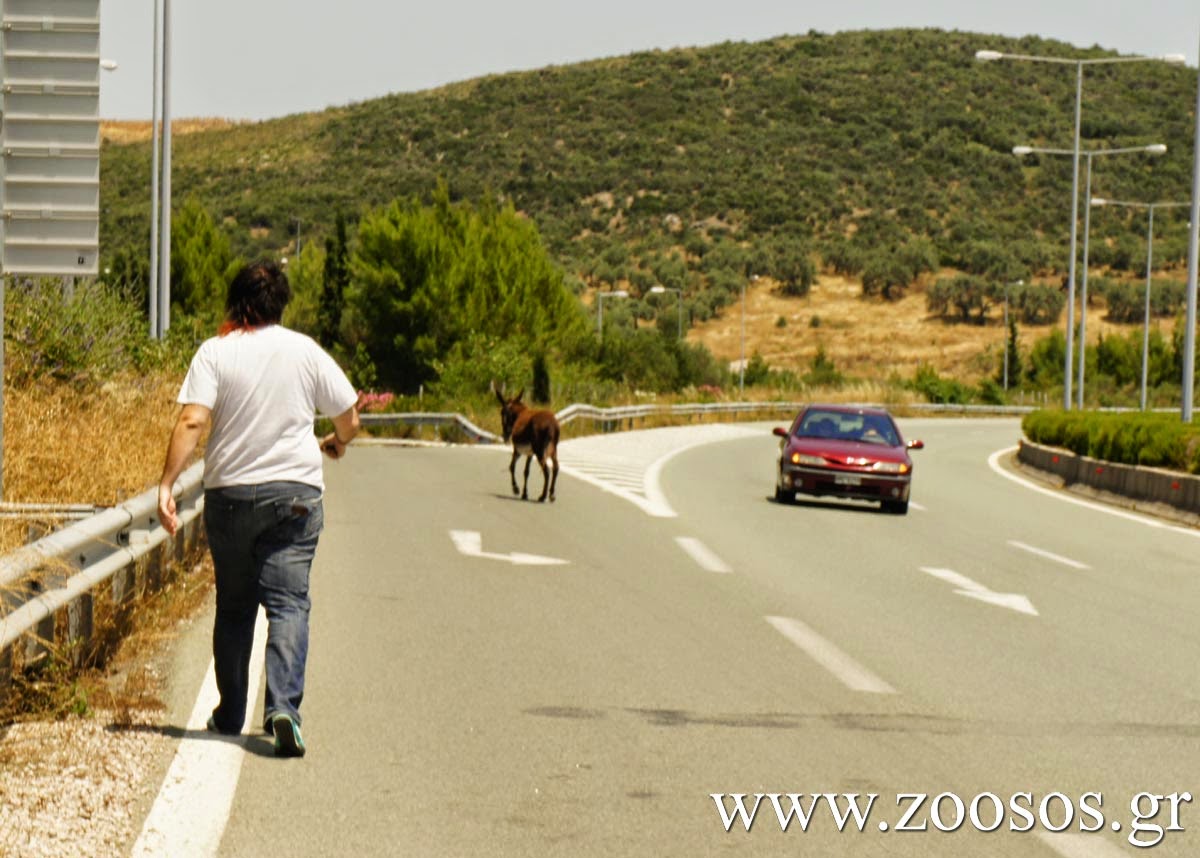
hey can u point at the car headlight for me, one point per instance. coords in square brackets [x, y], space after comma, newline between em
[805, 459]
[890, 467]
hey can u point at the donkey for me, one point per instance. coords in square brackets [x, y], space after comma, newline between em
[533, 433]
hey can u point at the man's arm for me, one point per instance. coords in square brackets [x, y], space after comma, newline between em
[184, 437]
[345, 427]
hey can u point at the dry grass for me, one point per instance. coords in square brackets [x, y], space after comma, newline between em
[97, 447]
[135, 132]
[866, 338]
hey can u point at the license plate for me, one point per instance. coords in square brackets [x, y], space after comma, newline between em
[847, 480]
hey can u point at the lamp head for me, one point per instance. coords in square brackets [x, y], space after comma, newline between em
[658, 290]
[1157, 149]
[988, 56]
[1022, 150]
[1099, 201]
[620, 293]
[1174, 59]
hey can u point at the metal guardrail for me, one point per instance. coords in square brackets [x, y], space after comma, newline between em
[57, 574]
[610, 417]
[422, 418]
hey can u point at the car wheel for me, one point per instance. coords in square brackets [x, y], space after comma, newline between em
[896, 507]
[784, 497]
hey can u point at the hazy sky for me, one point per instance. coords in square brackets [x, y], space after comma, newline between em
[256, 59]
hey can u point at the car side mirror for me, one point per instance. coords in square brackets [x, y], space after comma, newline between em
[916, 444]
[780, 431]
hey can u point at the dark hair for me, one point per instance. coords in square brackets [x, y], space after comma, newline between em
[256, 297]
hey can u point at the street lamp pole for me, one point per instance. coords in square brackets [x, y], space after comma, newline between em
[164, 261]
[989, 56]
[1152, 149]
[1189, 333]
[1083, 285]
[1146, 316]
[1150, 207]
[153, 309]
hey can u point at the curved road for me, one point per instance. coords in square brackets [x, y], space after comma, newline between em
[496, 678]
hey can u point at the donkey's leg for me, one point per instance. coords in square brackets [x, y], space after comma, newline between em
[512, 470]
[552, 454]
[525, 487]
[545, 477]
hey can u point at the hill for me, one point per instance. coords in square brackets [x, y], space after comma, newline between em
[648, 168]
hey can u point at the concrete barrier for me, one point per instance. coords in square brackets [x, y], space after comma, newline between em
[1136, 483]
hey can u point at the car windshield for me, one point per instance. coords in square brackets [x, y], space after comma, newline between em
[867, 428]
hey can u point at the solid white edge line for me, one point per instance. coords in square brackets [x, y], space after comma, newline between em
[994, 464]
[702, 554]
[189, 816]
[1080, 845]
[1049, 555]
[844, 668]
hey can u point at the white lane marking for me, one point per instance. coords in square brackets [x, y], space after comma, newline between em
[844, 668]
[994, 464]
[189, 816]
[1049, 555]
[915, 505]
[470, 543]
[702, 554]
[1080, 845]
[975, 590]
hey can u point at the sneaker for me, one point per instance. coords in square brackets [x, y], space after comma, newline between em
[213, 728]
[288, 741]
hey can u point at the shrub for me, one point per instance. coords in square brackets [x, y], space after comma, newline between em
[1139, 438]
[84, 331]
[940, 390]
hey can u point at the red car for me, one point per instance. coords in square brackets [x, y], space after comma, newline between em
[847, 452]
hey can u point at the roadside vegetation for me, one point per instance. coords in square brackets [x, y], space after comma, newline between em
[1154, 440]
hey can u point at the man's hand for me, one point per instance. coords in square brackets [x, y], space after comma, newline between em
[332, 447]
[166, 509]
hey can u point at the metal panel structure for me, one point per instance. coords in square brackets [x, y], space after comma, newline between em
[50, 137]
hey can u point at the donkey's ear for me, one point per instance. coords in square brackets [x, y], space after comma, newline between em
[496, 391]
[520, 393]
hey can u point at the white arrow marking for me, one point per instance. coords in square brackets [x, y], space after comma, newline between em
[470, 543]
[975, 590]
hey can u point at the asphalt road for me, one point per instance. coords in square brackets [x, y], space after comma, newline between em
[997, 641]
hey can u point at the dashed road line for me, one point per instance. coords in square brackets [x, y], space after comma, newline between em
[844, 668]
[1080, 845]
[1049, 555]
[703, 555]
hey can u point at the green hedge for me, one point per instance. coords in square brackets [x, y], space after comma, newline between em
[1156, 440]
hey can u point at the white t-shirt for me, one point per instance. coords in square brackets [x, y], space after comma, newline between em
[264, 387]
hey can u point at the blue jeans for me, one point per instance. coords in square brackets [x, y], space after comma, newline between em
[263, 539]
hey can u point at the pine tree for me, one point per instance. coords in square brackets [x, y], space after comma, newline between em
[333, 289]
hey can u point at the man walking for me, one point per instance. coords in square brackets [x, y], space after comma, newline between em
[259, 385]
